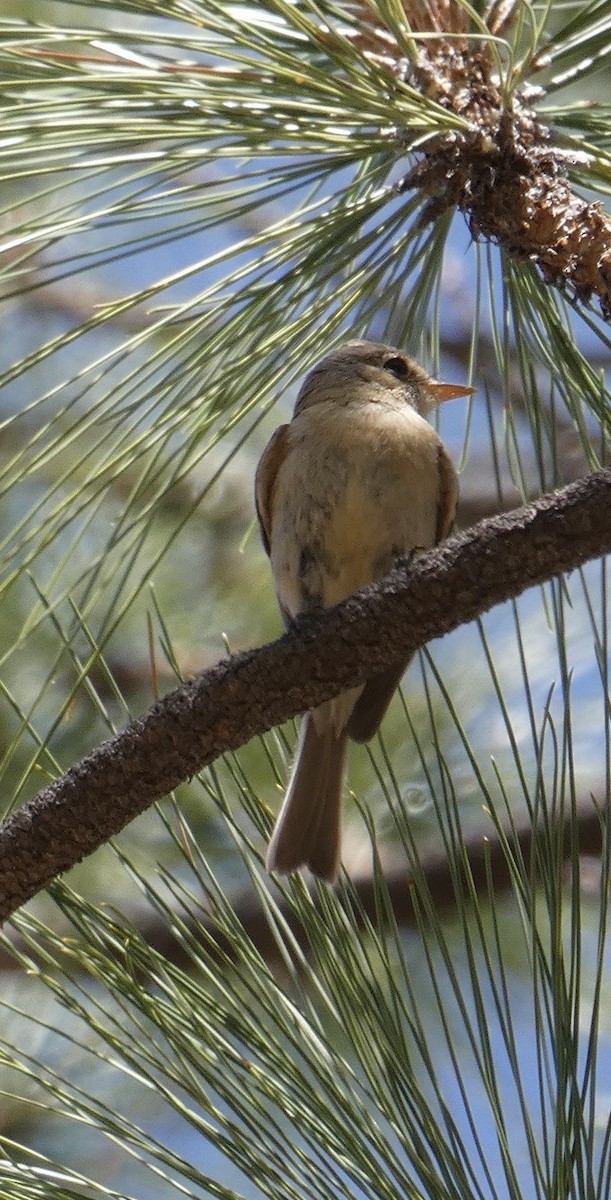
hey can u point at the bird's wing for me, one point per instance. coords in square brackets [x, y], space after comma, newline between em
[373, 701]
[271, 460]
[365, 718]
[448, 495]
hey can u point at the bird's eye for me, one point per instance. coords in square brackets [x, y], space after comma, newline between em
[397, 366]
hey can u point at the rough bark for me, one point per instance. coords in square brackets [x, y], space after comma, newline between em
[501, 165]
[320, 656]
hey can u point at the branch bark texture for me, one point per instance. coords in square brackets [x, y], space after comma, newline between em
[321, 655]
[502, 166]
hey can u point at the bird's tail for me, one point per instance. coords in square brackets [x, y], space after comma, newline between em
[308, 828]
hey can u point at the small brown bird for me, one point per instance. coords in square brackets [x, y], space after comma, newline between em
[356, 480]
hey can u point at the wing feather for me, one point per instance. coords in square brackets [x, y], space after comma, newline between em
[377, 693]
[265, 479]
[448, 494]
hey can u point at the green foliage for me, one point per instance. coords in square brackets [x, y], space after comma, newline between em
[244, 163]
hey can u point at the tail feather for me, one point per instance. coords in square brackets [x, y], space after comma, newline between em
[308, 828]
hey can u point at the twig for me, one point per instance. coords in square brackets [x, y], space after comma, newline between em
[502, 167]
[320, 656]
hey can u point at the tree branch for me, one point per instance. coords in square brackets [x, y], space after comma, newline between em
[502, 167]
[320, 656]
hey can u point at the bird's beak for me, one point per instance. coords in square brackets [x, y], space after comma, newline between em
[448, 391]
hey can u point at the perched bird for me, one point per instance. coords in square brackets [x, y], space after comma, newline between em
[356, 480]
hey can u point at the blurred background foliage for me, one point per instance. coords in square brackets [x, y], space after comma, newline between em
[199, 199]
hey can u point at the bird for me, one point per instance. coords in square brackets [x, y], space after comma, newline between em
[357, 480]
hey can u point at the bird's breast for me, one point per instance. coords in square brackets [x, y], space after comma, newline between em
[358, 488]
